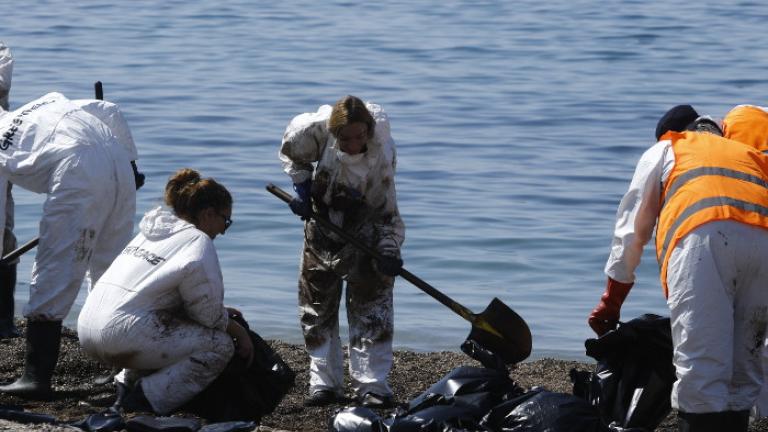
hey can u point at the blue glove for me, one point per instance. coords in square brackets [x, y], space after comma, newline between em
[301, 205]
[389, 265]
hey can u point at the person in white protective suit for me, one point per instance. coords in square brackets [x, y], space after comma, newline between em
[749, 124]
[8, 269]
[709, 196]
[56, 146]
[158, 311]
[342, 160]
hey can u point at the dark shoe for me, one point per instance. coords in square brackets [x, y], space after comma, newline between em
[321, 398]
[134, 400]
[8, 329]
[738, 420]
[709, 422]
[372, 400]
[42, 353]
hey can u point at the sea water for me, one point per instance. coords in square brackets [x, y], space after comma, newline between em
[518, 125]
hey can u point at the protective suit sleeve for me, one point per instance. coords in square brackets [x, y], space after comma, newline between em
[6, 206]
[202, 289]
[382, 134]
[390, 225]
[6, 73]
[638, 211]
[8, 239]
[111, 115]
[303, 143]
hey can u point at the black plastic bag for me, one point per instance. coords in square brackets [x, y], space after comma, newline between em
[486, 357]
[162, 424]
[455, 403]
[632, 382]
[541, 410]
[356, 419]
[109, 420]
[241, 393]
[17, 414]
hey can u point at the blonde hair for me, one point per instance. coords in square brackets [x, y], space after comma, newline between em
[348, 110]
[188, 194]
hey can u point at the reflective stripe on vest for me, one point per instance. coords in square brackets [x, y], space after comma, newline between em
[713, 179]
[747, 124]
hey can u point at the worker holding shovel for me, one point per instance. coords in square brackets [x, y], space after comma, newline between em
[341, 160]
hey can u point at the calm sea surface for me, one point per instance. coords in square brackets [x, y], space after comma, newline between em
[518, 124]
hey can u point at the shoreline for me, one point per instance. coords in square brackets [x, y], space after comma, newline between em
[413, 372]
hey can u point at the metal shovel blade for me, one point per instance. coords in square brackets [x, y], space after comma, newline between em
[502, 331]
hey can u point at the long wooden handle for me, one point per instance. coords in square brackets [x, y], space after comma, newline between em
[410, 277]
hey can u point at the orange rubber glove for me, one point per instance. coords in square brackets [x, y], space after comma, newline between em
[605, 316]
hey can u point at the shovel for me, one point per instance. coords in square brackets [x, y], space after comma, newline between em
[498, 328]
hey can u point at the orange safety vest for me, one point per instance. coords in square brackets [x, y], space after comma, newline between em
[713, 179]
[747, 124]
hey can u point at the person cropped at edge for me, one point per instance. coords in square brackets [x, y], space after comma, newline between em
[709, 195]
[7, 270]
[342, 160]
[158, 310]
[73, 152]
[749, 124]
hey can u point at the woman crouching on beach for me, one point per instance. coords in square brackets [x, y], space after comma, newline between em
[158, 311]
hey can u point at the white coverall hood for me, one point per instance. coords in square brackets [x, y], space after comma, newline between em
[160, 223]
[6, 70]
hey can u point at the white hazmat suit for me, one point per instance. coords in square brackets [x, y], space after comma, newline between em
[357, 193]
[78, 153]
[158, 311]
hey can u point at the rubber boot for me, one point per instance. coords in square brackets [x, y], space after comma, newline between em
[7, 287]
[42, 353]
[706, 422]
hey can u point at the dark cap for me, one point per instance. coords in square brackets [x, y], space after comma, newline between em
[676, 119]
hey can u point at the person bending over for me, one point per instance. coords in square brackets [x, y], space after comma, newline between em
[707, 197]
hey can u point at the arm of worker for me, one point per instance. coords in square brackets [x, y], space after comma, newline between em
[304, 142]
[202, 288]
[243, 343]
[110, 114]
[638, 211]
[635, 222]
[6, 207]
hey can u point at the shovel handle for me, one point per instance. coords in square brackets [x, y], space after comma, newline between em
[410, 277]
[21, 250]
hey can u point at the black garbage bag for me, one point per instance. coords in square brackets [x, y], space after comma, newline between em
[632, 382]
[455, 403]
[162, 424]
[109, 420]
[245, 393]
[17, 414]
[356, 419]
[541, 410]
[233, 426]
[486, 357]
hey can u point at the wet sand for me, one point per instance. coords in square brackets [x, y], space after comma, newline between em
[77, 396]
